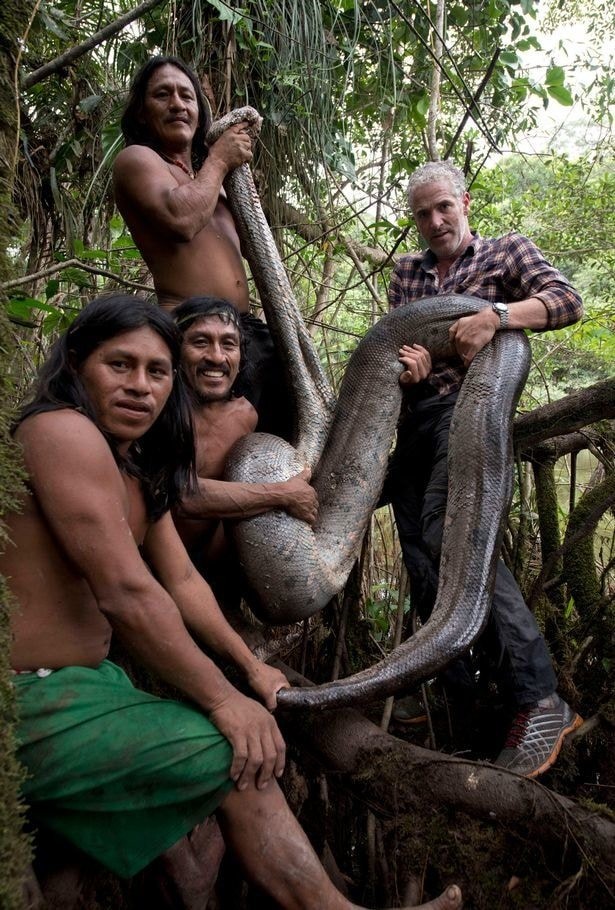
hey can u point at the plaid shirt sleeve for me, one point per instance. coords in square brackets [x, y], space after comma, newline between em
[396, 296]
[409, 282]
[528, 274]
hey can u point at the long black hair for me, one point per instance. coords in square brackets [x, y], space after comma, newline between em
[163, 459]
[137, 133]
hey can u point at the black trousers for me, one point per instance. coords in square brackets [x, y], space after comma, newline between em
[418, 487]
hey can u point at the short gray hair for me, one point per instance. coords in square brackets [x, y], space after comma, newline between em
[434, 171]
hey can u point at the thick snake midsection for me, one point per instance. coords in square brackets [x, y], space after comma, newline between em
[292, 569]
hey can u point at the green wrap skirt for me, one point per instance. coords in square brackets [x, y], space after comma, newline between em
[120, 773]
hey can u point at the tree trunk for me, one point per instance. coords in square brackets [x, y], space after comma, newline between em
[14, 847]
[579, 567]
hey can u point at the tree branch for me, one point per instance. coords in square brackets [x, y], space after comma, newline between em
[80, 49]
[296, 221]
[475, 99]
[580, 408]
[73, 263]
[436, 78]
[395, 777]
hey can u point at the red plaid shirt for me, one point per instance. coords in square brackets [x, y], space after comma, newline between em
[508, 268]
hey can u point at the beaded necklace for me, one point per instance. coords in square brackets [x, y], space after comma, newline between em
[180, 164]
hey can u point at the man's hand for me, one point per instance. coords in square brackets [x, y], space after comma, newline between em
[301, 498]
[417, 364]
[470, 334]
[233, 147]
[259, 751]
[266, 681]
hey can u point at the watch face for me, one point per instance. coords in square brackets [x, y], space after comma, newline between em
[502, 310]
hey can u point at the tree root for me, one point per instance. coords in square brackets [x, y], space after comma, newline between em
[394, 777]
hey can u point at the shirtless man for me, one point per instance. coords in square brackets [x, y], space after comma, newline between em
[120, 773]
[168, 187]
[211, 362]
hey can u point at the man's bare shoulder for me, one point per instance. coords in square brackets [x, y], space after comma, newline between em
[235, 413]
[53, 421]
[63, 434]
[138, 162]
[243, 412]
[133, 155]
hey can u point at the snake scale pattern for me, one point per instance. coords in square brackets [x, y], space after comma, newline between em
[294, 570]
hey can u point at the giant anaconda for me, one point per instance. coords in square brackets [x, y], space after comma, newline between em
[293, 569]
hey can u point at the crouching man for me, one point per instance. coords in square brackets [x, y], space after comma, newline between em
[212, 360]
[107, 445]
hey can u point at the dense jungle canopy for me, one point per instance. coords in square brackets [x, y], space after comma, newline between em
[354, 95]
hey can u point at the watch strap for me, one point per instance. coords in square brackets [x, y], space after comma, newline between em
[502, 310]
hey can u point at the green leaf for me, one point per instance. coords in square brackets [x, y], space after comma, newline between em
[52, 288]
[57, 321]
[81, 279]
[555, 76]
[23, 306]
[527, 44]
[128, 253]
[509, 58]
[458, 15]
[225, 12]
[93, 254]
[422, 105]
[51, 24]
[561, 94]
[110, 137]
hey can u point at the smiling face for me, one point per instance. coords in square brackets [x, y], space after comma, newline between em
[211, 357]
[442, 218]
[170, 109]
[128, 380]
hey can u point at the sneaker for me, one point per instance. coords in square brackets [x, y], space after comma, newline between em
[536, 736]
[409, 710]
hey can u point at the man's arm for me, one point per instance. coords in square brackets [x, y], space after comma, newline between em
[538, 296]
[144, 185]
[470, 334]
[224, 499]
[82, 497]
[167, 556]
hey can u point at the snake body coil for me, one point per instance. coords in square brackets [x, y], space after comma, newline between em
[293, 569]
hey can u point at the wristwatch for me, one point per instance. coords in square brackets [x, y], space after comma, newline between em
[502, 310]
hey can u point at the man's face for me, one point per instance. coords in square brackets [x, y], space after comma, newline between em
[211, 357]
[128, 380]
[441, 218]
[170, 108]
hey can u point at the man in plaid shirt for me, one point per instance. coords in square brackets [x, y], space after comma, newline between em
[525, 292]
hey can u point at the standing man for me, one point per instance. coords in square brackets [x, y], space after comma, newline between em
[169, 188]
[525, 292]
[211, 359]
[124, 775]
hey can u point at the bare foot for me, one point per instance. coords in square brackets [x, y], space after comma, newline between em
[448, 900]
[32, 895]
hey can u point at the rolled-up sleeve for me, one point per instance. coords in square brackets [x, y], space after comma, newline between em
[534, 276]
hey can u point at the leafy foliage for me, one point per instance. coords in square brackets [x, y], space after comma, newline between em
[343, 86]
